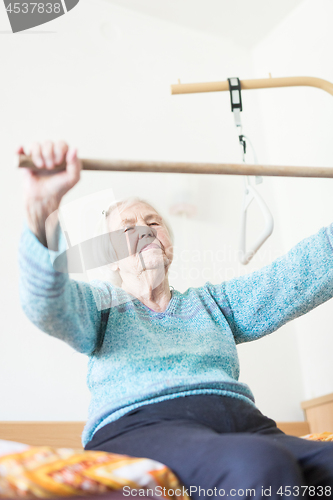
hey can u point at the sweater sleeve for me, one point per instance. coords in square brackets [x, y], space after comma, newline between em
[261, 302]
[57, 305]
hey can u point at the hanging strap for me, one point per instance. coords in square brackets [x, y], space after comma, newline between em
[237, 107]
[250, 192]
[236, 99]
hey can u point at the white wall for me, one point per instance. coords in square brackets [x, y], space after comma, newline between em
[298, 131]
[101, 81]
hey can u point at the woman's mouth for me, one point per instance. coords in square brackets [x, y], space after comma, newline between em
[149, 247]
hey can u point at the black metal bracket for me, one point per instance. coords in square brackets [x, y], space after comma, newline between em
[237, 106]
[235, 94]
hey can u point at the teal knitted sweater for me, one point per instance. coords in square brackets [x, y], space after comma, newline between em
[188, 349]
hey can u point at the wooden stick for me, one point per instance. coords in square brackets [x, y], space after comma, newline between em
[188, 168]
[264, 83]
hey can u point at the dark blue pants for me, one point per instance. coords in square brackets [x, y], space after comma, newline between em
[223, 446]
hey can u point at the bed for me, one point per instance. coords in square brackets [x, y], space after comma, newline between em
[51, 463]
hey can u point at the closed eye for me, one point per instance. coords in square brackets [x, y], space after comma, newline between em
[130, 228]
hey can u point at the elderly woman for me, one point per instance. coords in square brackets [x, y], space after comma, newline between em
[163, 367]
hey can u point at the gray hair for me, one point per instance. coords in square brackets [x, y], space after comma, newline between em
[103, 228]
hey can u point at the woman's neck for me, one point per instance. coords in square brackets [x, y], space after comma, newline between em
[156, 298]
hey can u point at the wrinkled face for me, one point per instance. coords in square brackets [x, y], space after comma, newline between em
[147, 239]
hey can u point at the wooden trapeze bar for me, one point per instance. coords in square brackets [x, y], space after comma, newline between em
[263, 83]
[190, 168]
[211, 168]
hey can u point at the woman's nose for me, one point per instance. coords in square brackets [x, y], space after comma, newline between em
[146, 231]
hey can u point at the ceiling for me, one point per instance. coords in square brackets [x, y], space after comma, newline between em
[244, 22]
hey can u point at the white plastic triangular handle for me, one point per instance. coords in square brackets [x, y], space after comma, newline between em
[252, 194]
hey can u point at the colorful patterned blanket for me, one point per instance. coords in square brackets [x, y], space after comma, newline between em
[46, 472]
[324, 436]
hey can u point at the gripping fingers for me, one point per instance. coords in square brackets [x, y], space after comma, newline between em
[48, 154]
[74, 166]
[36, 155]
[60, 152]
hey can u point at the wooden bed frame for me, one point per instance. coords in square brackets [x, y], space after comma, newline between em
[318, 414]
[68, 434]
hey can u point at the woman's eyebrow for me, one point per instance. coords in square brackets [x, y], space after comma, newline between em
[149, 216]
[153, 216]
[127, 221]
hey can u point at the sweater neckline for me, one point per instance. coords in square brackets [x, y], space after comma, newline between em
[170, 307]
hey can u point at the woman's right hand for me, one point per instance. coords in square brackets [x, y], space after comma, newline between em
[43, 193]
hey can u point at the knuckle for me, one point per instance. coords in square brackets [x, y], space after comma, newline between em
[35, 148]
[47, 147]
[60, 151]
[48, 153]
[35, 151]
[62, 146]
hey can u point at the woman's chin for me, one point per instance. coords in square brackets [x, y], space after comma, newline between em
[155, 263]
[152, 258]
